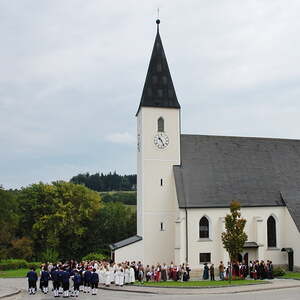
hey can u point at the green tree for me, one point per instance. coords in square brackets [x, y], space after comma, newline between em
[22, 248]
[8, 220]
[234, 236]
[57, 216]
[113, 222]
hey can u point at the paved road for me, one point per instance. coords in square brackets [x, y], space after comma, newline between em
[286, 294]
[211, 294]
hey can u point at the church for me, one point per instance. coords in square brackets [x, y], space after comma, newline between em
[185, 184]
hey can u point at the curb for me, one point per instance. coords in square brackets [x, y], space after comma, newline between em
[10, 294]
[200, 287]
[269, 288]
[127, 290]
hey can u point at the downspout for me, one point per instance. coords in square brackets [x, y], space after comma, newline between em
[186, 238]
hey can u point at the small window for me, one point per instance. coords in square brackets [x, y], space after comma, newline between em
[161, 182]
[158, 67]
[162, 228]
[160, 125]
[204, 258]
[204, 228]
[160, 93]
[271, 228]
[165, 80]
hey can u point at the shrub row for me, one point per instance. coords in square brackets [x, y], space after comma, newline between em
[14, 264]
[95, 256]
[278, 271]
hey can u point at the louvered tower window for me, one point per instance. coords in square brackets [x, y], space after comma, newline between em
[160, 125]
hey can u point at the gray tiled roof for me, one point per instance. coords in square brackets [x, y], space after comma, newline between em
[158, 88]
[125, 242]
[254, 171]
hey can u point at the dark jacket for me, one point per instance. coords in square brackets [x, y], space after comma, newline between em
[94, 277]
[32, 276]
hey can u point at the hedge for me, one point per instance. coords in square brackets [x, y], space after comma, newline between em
[14, 264]
[95, 256]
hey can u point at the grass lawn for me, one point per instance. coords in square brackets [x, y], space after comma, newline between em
[291, 275]
[15, 273]
[203, 283]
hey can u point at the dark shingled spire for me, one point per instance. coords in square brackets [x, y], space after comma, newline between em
[158, 89]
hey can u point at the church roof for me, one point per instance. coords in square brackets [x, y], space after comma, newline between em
[126, 242]
[158, 88]
[256, 172]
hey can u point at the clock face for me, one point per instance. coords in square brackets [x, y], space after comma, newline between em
[161, 140]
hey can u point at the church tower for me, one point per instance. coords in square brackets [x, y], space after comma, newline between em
[158, 135]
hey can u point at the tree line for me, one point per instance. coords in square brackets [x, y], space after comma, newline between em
[60, 220]
[106, 182]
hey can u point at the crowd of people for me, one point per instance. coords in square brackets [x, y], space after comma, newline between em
[241, 270]
[70, 278]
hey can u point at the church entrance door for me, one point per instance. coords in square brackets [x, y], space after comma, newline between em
[240, 258]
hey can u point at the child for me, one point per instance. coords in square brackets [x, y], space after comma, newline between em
[77, 282]
[32, 279]
[56, 281]
[94, 282]
[45, 277]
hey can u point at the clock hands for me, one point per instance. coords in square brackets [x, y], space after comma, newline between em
[161, 140]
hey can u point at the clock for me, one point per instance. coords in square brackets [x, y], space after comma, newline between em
[161, 140]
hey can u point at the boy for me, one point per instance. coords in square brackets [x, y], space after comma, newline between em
[77, 282]
[32, 279]
[94, 282]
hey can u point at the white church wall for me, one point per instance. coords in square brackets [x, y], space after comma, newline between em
[157, 202]
[256, 229]
[139, 208]
[133, 252]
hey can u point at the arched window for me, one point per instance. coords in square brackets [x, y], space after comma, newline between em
[271, 227]
[160, 125]
[203, 228]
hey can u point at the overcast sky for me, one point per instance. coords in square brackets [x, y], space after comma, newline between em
[72, 73]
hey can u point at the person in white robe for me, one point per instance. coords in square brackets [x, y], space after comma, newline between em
[112, 273]
[127, 275]
[107, 277]
[121, 276]
[131, 275]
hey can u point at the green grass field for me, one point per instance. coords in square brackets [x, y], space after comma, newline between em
[200, 283]
[15, 273]
[291, 275]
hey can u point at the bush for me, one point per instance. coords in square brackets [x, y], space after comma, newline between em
[50, 255]
[35, 265]
[14, 264]
[22, 248]
[278, 271]
[95, 256]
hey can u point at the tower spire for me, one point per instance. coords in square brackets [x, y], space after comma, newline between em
[158, 88]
